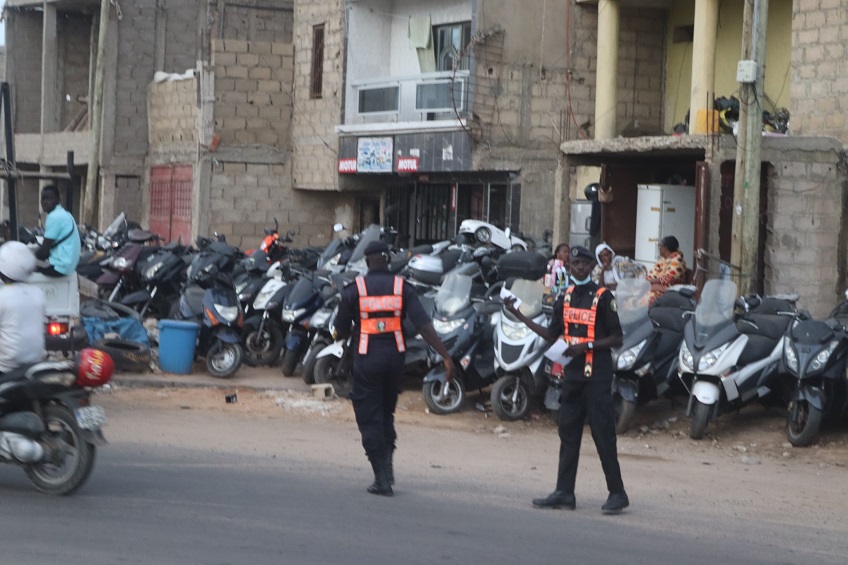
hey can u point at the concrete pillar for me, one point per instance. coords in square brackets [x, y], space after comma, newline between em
[562, 202]
[701, 119]
[49, 70]
[606, 91]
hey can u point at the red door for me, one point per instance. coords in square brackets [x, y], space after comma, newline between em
[170, 201]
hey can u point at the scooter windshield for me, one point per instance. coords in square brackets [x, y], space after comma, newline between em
[716, 305]
[632, 297]
[371, 233]
[454, 294]
[530, 293]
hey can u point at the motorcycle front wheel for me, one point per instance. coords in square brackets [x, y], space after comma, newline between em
[308, 373]
[262, 348]
[69, 459]
[700, 419]
[510, 398]
[803, 428]
[289, 362]
[224, 359]
[328, 371]
[624, 411]
[444, 397]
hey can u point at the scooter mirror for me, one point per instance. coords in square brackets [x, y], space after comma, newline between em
[338, 227]
[846, 294]
[507, 232]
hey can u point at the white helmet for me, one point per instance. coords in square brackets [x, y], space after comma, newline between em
[16, 261]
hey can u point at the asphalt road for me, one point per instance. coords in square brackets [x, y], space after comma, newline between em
[168, 501]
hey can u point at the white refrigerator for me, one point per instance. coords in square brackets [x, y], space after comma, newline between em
[581, 220]
[662, 210]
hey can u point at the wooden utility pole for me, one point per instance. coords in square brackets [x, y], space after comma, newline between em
[95, 116]
[744, 250]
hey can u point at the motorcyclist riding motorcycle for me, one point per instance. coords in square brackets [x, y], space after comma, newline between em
[22, 309]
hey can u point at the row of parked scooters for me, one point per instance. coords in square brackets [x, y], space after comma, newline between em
[279, 304]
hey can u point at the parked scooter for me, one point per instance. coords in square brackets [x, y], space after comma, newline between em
[646, 362]
[120, 277]
[815, 355]
[726, 363]
[466, 328]
[48, 425]
[263, 333]
[210, 300]
[519, 352]
[163, 274]
[487, 234]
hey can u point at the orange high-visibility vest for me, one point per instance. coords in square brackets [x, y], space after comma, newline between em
[583, 317]
[373, 312]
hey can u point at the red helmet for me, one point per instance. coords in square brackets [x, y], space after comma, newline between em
[94, 368]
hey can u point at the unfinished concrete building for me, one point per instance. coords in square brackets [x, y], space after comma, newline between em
[197, 111]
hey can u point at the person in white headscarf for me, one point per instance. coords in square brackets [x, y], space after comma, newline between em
[611, 268]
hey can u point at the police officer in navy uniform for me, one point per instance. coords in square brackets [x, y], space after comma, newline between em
[585, 315]
[371, 313]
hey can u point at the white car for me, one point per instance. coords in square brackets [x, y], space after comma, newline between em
[486, 233]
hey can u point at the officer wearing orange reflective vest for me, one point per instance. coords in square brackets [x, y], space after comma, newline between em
[371, 313]
[585, 316]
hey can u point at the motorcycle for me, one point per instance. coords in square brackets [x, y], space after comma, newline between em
[466, 328]
[726, 363]
[48, 425]
[262, 335]
[162, 273]
[120, 276]
[646, 362]
[815, 354]
[484, 233]
[210, 300]
[519, 353]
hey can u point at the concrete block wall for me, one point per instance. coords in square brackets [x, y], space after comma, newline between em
[173, 115]
[74, 33]
[806, 214]
[819, 82]
[24, 63]
[314, 141]
[181, 47]
[128, 197]
[258, 24]
[253, 84]
[245, 198]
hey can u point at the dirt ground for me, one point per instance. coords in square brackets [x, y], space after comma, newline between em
[754, 436]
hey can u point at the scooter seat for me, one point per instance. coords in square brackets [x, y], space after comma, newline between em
[671, 299]
[772, 327]
[668, 317]
[141, 236]
[758, 347]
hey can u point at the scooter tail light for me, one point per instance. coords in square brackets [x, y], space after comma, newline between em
[94, 368]
[57, 328]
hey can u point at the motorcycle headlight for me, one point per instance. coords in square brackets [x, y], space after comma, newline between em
[446, 327]
[151, 271]
[789, 356]
[628, 357]
[333, 262]
[292, 315]
[121, 263]
[686, 358]
[263, 297]
[229, 313]
[240, 287]
[818, 363]
[709, 359]
[515, 333]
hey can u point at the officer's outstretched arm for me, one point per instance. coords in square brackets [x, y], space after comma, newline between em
[432, 338]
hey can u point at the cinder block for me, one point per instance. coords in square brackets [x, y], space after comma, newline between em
[248, 59]
[235, 46]
[236, 71]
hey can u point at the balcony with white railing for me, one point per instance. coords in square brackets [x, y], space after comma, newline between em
[416, 102]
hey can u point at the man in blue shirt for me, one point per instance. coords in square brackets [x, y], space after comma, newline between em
[61, 247]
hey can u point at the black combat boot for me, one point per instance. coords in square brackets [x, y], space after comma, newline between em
[381, 484]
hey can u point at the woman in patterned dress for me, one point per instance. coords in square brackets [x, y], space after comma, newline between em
[669, 270]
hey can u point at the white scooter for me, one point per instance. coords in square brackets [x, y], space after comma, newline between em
[727, 363]
[486, 234]
[519, 352]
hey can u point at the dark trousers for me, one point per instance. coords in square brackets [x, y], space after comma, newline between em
[50, 271]
[592, 400]
[376, 383]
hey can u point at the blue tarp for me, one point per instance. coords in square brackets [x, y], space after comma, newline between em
[130, 329]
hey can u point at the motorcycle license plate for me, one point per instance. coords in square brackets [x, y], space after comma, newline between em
[91, 417]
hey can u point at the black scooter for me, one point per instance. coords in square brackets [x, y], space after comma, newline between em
[646, 362]
[210, 299]
[815, 355]
[466, 329]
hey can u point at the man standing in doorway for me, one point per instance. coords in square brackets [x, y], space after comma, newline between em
[586, 317]
[371, 313]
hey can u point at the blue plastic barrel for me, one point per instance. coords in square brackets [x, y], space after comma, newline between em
[176, 345]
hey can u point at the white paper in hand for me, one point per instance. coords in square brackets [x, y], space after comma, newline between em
[507, 294]
[556, 352]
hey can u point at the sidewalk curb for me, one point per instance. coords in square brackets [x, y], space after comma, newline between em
[153, 382]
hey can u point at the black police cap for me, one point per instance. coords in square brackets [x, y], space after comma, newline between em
[376, 248]
[580, 252]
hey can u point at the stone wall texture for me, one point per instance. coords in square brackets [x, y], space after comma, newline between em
[315, 143]
[819, 71]
[74, 33]
[173, 115]
[253, 92]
